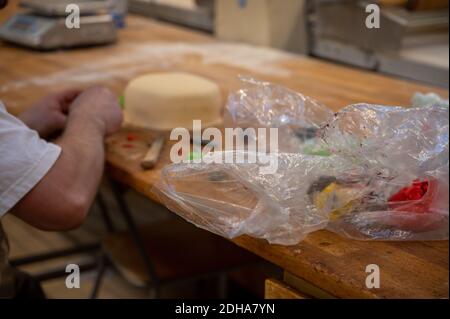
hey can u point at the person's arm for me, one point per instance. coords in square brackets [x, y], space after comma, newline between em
[61, 200]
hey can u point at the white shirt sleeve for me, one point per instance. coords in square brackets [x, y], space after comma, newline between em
[25, 158]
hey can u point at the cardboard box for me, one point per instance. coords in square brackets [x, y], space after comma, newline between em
[273, 23]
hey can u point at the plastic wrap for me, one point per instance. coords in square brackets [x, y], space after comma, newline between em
[235, 199]
[267, 105]
[406, 153]
[386, 177]
[393, 140]
[428, 99]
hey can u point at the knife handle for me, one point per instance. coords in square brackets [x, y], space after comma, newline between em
[150, 159]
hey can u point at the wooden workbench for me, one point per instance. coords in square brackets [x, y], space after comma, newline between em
[332, 264]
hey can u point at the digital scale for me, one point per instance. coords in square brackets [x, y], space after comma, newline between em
[42, 24]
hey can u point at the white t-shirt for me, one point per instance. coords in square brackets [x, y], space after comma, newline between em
[25, 158]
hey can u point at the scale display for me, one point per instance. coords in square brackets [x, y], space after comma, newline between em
[23, 23]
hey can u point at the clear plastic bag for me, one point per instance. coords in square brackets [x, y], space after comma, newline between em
[428, 99]
[267, 105]
[235, 199]
[406, 142]
[406, 153]
[387, 177]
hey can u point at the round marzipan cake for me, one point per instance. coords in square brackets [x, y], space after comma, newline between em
[164, 101]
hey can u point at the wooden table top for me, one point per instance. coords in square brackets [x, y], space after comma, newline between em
[330, 262]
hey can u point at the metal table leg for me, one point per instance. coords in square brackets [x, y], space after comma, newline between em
[125, 211]
[86, 248]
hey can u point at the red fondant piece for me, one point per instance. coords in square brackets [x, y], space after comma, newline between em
[413, 207]
[414, 192]
[416, 198]
[131, 137]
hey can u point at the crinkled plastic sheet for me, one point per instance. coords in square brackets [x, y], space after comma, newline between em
[377, 152]
[266, 105]
[428, 99]
[236, 199]
[394, 140]
[397, 146]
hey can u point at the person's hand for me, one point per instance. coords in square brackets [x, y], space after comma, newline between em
[98, 105]
[49, 115]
